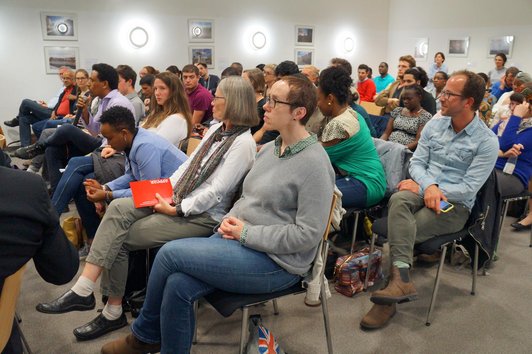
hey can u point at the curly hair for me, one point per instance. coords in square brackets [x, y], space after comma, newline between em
[419, 74]
[336, 81]
[119, 118]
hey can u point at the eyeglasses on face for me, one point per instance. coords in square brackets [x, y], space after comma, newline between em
[272, 102]
[218, 98]
[447, 94]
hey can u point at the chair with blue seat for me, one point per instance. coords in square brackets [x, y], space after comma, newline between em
[227, 303]
[476, 220]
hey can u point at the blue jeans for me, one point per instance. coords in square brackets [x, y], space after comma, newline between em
[38, 127]
[71, 186]
[185, 270]
[67, 141]
[30, 112]
[354, 192]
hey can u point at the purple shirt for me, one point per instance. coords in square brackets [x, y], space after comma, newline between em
[200, 100]
[113, 98]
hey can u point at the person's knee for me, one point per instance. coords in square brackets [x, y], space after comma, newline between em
[399, 198]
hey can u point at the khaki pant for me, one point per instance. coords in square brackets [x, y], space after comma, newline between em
[125, 228]
[410, 222]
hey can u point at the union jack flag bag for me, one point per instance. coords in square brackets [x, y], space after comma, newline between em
[261, 340]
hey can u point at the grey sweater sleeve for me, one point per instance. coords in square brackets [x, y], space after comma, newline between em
[313, 204]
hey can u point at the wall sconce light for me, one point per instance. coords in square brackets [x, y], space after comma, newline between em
[349, 44]
[258, 40]
[138, 37]
[62, 28]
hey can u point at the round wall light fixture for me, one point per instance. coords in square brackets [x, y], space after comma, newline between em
[349, 44]
[258, 40]
[138, 37]
[62, 28]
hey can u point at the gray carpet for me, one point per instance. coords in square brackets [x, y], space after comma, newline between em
[497, 320]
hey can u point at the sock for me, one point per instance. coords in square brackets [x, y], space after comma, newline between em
[404, 270]
[83, 287]
[112, 312]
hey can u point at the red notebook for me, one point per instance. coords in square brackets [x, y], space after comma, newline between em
[144, 191]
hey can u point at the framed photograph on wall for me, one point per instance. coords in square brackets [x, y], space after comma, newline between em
[459, 47]
[304, 56]
[56, 57]
[501, 44]
[304, 35]
[421, 48]
[200, 30]
[59, 26]
[201, 55]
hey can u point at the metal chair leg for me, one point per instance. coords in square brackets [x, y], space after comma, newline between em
[244, 329]
[371, 249]
[436, 285]
[475, 270]
[25, 346]
[357, 214]
[325, 309]
[530, 245]
[275, 307]
[195, 338]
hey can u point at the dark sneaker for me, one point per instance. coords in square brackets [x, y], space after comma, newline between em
[12, 123]
[29, 152]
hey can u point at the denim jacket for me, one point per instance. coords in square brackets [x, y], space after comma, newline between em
[459, 163]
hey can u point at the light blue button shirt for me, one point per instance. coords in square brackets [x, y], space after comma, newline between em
[459, 163]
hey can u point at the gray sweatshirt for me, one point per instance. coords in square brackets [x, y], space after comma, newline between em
[285, 204]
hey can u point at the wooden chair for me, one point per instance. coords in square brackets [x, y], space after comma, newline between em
[371, 108]
[8, 302]
[193, 143]
[227, 303]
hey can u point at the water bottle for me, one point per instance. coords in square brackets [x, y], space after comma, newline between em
[510, 165]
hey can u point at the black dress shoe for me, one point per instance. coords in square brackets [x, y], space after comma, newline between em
[69, 301]
[30, 151]
[519, 227]
[99, 326]
[12, 123]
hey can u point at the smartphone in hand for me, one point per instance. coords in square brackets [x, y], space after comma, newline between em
[445, 206]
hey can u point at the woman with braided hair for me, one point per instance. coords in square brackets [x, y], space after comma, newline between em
[204, 187]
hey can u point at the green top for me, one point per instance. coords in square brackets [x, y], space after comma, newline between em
[358, 157]
[293, 149]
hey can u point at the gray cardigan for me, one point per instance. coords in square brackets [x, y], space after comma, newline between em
[285, 204]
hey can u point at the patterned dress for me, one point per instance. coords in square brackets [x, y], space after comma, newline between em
[405, 126]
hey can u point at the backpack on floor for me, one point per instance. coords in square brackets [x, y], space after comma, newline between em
[350, 271]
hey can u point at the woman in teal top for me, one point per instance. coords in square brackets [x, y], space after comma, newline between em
[347, 141]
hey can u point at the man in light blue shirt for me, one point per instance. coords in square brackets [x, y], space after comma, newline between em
[454, 157]
[384, 79]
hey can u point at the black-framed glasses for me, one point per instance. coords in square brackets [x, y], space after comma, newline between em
[447, 94]
[273, 102]
[218, 98]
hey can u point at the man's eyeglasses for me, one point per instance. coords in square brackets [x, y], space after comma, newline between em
[273, 102]
[447, 94]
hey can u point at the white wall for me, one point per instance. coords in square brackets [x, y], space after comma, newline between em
[104, 26]
[442, 20]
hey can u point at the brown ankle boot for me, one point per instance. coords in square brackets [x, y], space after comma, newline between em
[130, 345]
[378, 316]
[395, 292]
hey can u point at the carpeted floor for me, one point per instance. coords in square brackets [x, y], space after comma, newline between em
[497, 320]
